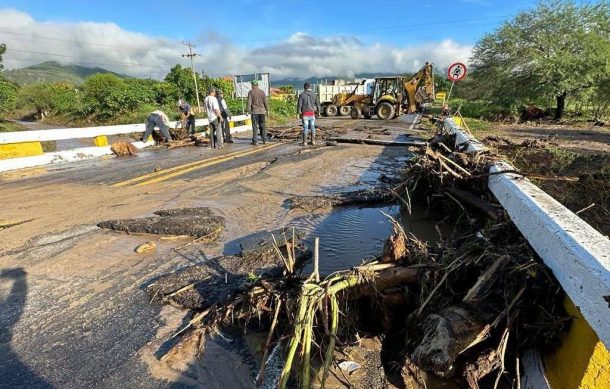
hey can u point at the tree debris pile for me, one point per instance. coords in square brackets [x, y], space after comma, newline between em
[197, 222]
[461, 310]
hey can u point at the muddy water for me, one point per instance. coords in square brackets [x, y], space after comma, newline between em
[349, 235]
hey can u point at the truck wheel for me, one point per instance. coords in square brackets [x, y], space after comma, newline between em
[385, 111]
[345, 110]
[355, 113]
[330, 110]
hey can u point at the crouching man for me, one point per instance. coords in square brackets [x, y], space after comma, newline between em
[157, 119]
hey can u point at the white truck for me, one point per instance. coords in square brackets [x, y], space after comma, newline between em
[327, 95]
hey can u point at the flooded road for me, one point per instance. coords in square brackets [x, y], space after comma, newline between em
[73, 309]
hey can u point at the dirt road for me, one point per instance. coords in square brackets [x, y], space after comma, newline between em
[73, 312]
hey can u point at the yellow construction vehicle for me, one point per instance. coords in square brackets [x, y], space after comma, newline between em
[393, 96]
[345, 101]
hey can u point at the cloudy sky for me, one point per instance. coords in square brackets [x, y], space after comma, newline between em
[296, 39]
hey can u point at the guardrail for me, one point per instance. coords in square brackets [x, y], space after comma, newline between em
[23, 149]
[576, 252]
[579, 257]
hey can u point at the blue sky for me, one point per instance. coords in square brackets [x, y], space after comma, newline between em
[246, 35]
[264, 21]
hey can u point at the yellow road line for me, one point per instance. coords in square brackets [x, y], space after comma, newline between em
[206, 163]
[180, 167]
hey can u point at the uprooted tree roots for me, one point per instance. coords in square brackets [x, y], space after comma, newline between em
[462, 309]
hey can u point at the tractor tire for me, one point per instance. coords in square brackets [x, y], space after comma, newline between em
[345, 110]
[385, 111]
[355, 113]
[330, 110]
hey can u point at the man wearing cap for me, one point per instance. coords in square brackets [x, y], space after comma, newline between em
[187, 117]
[308, 107]
[157, 119]
[258, 108]
[214, 117]
[226, 116]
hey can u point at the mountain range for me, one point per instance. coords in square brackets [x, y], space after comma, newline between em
[53, 71]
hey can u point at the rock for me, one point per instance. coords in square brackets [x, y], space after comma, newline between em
[123, 148]
[146, 247]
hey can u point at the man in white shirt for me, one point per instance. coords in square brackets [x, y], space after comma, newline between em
[157, 119]
[215, 118]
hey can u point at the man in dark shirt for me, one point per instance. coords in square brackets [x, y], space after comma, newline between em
[308, 108]
[187, 117]
[258, 108]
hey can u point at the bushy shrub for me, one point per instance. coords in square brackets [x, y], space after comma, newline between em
[8, 95]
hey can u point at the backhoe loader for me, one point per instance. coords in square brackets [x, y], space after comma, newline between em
[393, 96]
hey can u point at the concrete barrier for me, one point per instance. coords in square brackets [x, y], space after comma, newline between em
[579, 257]
[22, 149]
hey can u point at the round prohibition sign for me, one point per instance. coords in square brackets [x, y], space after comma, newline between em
[456, 72]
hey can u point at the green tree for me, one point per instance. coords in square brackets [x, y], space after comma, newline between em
[8, 95]
[48, 98]
[182, 79]
[544, 54]
[103, 95]
[2, 51]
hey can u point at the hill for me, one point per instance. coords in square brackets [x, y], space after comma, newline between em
[53, 71]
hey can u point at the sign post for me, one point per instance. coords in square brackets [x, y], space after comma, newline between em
[455, 73]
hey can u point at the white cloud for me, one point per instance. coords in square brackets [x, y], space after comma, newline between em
[298, 56]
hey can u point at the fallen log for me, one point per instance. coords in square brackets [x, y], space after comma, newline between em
[365, 196]
[378, 142]
[471, 199]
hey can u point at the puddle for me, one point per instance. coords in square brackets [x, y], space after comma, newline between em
[350, 234]
[347, 235]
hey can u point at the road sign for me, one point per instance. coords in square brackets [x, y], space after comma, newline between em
[456, 72]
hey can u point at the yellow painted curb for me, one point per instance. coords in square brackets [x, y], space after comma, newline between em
[17, 150]
[231, 124]
[248, 121]
[582, 361]
[100, 141]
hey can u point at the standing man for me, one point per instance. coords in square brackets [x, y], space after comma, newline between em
[214, 117]
[308, 108]
[157, 119]
[226, 115]
[187, 117]
[258, 108]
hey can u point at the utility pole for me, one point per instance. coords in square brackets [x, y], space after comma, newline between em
[191, 55]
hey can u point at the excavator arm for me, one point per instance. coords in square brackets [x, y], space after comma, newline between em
[417, 95]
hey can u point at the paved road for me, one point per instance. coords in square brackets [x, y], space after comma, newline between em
[73, 311]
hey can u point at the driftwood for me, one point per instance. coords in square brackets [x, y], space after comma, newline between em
[378, 142]
[471, 199]
[365, 196]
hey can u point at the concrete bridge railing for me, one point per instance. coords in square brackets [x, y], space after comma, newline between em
[23, 149]
[579, 257]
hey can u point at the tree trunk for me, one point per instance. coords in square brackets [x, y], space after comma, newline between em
[561, 104]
